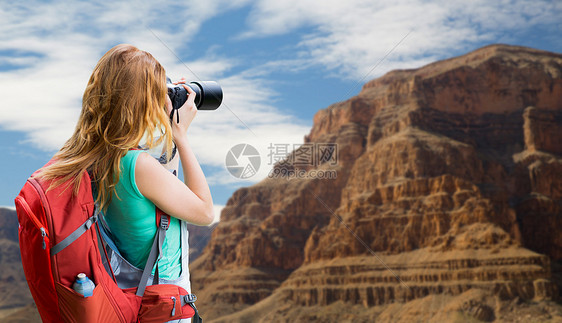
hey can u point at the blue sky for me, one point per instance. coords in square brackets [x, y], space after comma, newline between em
[278, 62]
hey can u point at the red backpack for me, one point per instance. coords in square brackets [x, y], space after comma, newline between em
[58, 237]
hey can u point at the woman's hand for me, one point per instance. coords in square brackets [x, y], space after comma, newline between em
[186, 113]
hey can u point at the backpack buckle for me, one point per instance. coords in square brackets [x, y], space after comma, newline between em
[189, 298]
[164, 222]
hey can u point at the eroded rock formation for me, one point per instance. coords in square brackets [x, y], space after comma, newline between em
[448, 185]
[13, 286]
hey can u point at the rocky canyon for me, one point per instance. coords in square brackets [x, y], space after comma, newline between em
[447, 205]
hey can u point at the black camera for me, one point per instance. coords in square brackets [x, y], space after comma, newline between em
[209, 95]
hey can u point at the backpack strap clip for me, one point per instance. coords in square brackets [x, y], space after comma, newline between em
[189, 298]
[164, 221]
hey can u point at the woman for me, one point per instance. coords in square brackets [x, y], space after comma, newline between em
[124, 105]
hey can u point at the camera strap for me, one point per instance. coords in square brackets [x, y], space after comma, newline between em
[177, 112]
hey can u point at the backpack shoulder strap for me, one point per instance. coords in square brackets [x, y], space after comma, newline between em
[163, 221]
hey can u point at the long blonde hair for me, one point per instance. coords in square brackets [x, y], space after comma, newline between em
[124, 101]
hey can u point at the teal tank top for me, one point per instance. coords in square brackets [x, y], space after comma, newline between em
[131, 219]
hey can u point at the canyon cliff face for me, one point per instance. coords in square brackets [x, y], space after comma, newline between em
[14, 293]
[447, 204]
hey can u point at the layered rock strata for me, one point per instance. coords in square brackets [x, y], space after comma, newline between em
[448, 181]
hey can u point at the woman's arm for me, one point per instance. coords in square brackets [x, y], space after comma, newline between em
[191, 201]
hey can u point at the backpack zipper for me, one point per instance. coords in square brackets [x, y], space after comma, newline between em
[48, 220]
[33, 217]
[174, 306]
[43, 234]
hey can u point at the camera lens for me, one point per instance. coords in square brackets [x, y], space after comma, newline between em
[209, 94]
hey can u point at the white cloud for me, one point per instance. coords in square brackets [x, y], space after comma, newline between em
[217, 209]
[350, 37]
